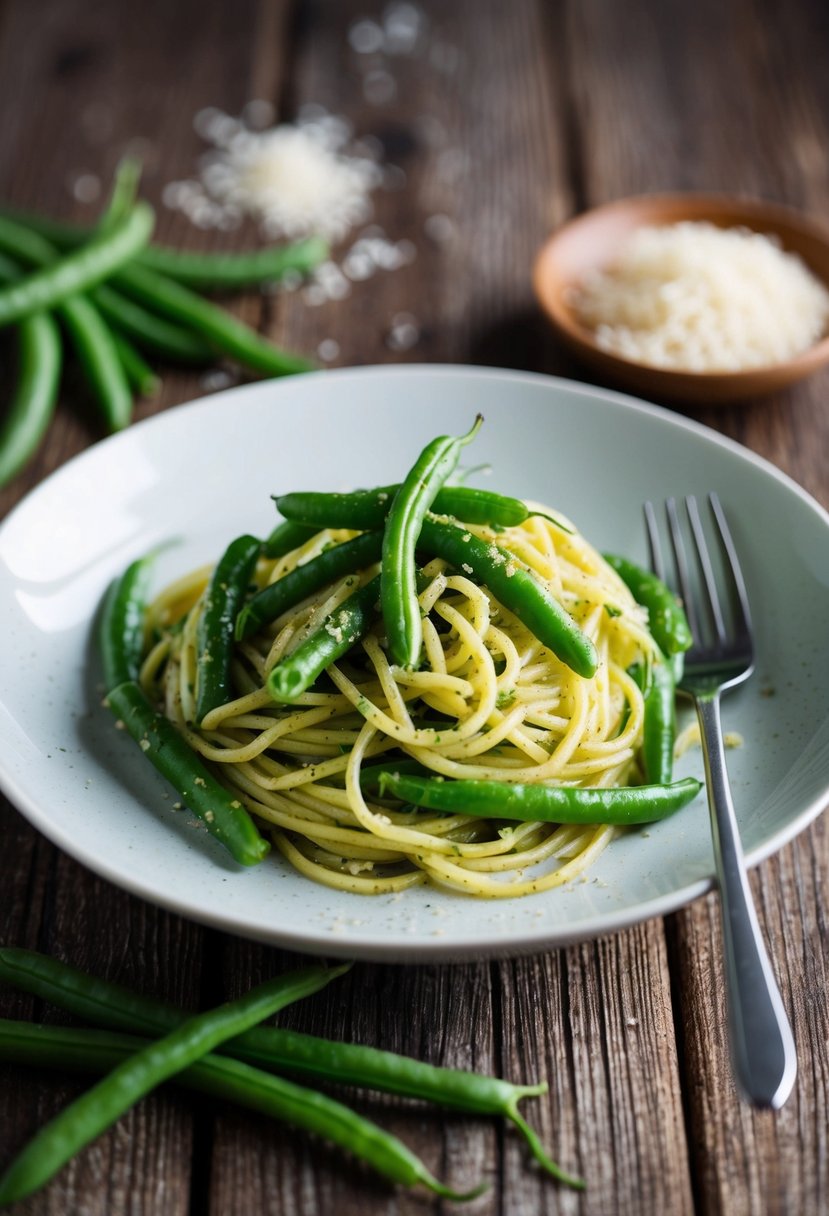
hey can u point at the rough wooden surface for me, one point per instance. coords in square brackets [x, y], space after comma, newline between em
[508, 119]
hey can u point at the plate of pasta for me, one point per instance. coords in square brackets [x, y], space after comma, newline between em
[362, 663]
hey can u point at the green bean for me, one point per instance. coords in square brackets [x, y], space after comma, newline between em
[33, 403]
[111, 1005]
[667, 621]
[295, 674]
[121, 628]
[220, 328]
[78, 271]
[659, 730]
[544, 803]
[223, 815]
[305, 580]
[214, 641]
[85, 1118]
[200, 271]
[398, 585]
[90, 337]
[516, 588]
[95, 349]
[285, 537]
[95, 1051]
[155, 334]
[122, 198]
[364, 510]
[139, 374]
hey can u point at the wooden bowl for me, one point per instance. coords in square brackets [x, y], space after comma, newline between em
[590, 242]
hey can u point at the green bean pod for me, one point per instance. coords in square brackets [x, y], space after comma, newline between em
[366, 510]
[222, 814]
[285, 537]
[398, 586]
[214, 640]
[78, 271]
[141, 1072]
[121, 626]
[140, 375]
[199, 271]
[514, 586]
[295, 674]
[543, 803]
[222, 330]
[667, 621]
[94, 1051]
[275, 1047]
[305, 580]
[659, 730]
[154, 334]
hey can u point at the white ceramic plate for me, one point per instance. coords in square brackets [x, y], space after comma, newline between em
[204, 473]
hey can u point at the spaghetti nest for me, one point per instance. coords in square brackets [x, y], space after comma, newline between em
[489, 702]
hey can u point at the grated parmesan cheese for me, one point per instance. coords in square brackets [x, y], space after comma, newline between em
[294, 179]
[694, 297]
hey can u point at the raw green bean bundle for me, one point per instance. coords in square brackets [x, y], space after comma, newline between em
[398, 578]
[273, 1047]
[143, 1071]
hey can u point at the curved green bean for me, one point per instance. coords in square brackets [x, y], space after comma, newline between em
[32, 405]
[222, 814]
[666, 619]
[295, 674]
[305, 580]
[78, 271]
[141, 1072]
[365, 510]
[514, 586]
[90, 337]
[140, 375]
[200, 271]
[121, 624]
[398, 579]
[223, 598]
[154, 334]
[285, 537]
[623, 805]
[221, 329]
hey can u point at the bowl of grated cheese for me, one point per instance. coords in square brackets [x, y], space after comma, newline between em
[694, 298]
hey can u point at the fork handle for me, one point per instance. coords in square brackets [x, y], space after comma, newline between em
[762, 1045]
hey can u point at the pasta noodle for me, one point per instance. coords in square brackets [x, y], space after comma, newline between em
[489, 703]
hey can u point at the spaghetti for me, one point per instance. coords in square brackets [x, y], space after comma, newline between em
[488, 702]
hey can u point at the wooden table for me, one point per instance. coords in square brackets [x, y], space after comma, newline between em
[505, 119]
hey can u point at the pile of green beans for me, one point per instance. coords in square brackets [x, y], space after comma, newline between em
[119, 299]
[226, 1054]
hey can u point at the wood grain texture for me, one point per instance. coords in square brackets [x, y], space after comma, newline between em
[506, 120]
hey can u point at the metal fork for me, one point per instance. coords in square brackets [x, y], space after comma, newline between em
[722, 656]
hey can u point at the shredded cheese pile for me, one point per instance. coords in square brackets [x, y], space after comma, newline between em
[694, 297]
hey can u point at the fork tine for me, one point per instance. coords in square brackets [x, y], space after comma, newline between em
[744, 623]
[657, 563]
[681, 562]
[705, 565]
